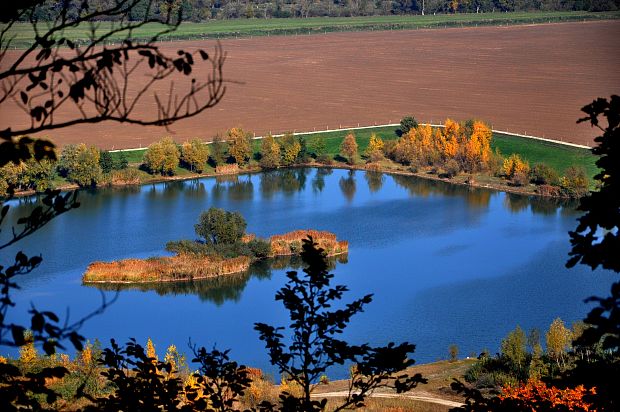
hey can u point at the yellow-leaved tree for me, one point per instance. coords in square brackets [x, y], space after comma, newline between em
[374, 151]
[162, 157]
[559, 339]
[270, 153]
[239, 145]
[516, 169]
[195, 154]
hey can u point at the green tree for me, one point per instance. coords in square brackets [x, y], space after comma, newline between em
[195, 154]
[270, 153]
[80, 164]
[407, 123]
[348, 148]
[314, 346]
[219, 151]
[105, 161]
[320, 149]
[40, 174]
[162, 157]
[239, 145]
[121, 162]
[513, 348]
[218, 226]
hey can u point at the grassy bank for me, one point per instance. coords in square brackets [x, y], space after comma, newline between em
[218, 29]
[557, 156]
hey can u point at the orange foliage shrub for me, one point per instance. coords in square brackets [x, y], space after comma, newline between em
[227, 169]
[535, 395]
[175, 268]
[290, 243]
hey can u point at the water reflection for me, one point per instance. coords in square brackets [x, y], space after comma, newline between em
[286, 181]
[318, 183]
[375, 181]
[348, 186]
[221, 289]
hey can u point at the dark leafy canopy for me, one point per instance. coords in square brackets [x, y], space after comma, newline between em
[596, 241]
[89, 79]
[314, 347]
[218, 226]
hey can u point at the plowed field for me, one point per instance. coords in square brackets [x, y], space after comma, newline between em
[524, 79]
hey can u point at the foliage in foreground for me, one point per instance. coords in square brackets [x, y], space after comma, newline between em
[592, 365]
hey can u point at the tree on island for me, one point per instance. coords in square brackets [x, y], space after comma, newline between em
[218, 226]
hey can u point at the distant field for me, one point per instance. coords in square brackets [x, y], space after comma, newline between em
[558, 156]
[24, 35]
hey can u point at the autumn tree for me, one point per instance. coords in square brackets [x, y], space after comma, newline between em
[195, 154]
[290, 148]
[270, 153]
[575, 182]
[239, 145]
[374, 151]
[477, 147]
[516, 169]
[348, 148]
[80, 164]
[162, 157]
[558, 339]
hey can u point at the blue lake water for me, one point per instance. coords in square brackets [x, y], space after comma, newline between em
[447, 264]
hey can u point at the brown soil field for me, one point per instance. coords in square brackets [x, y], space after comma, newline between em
[524, 79]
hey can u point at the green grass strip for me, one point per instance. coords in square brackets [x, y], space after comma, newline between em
[218, 29]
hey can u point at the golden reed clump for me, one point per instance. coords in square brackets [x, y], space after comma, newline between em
[290, 243]
[175, 268]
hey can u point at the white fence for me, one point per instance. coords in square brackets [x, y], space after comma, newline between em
[358, 127]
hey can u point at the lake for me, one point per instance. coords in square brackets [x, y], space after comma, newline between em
[447, 264]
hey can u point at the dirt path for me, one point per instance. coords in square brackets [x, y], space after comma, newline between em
[422, 398]
[523, 79]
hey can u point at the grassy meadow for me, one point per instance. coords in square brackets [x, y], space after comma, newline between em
[218, 29]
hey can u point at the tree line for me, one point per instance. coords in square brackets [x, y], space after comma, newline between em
[455, 149]
[201, 10]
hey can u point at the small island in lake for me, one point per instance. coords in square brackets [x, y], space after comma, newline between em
[224, 248]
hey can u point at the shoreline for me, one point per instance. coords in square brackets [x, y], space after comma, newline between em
[340, 166]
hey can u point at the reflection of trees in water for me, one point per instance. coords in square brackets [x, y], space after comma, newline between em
[375, 181]
[479, 198]
[241, 190]
[348, 186]
[318, 183]
[516, 203]
[221, 289]
[194, 188]
[287, 181]
[233, 187]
